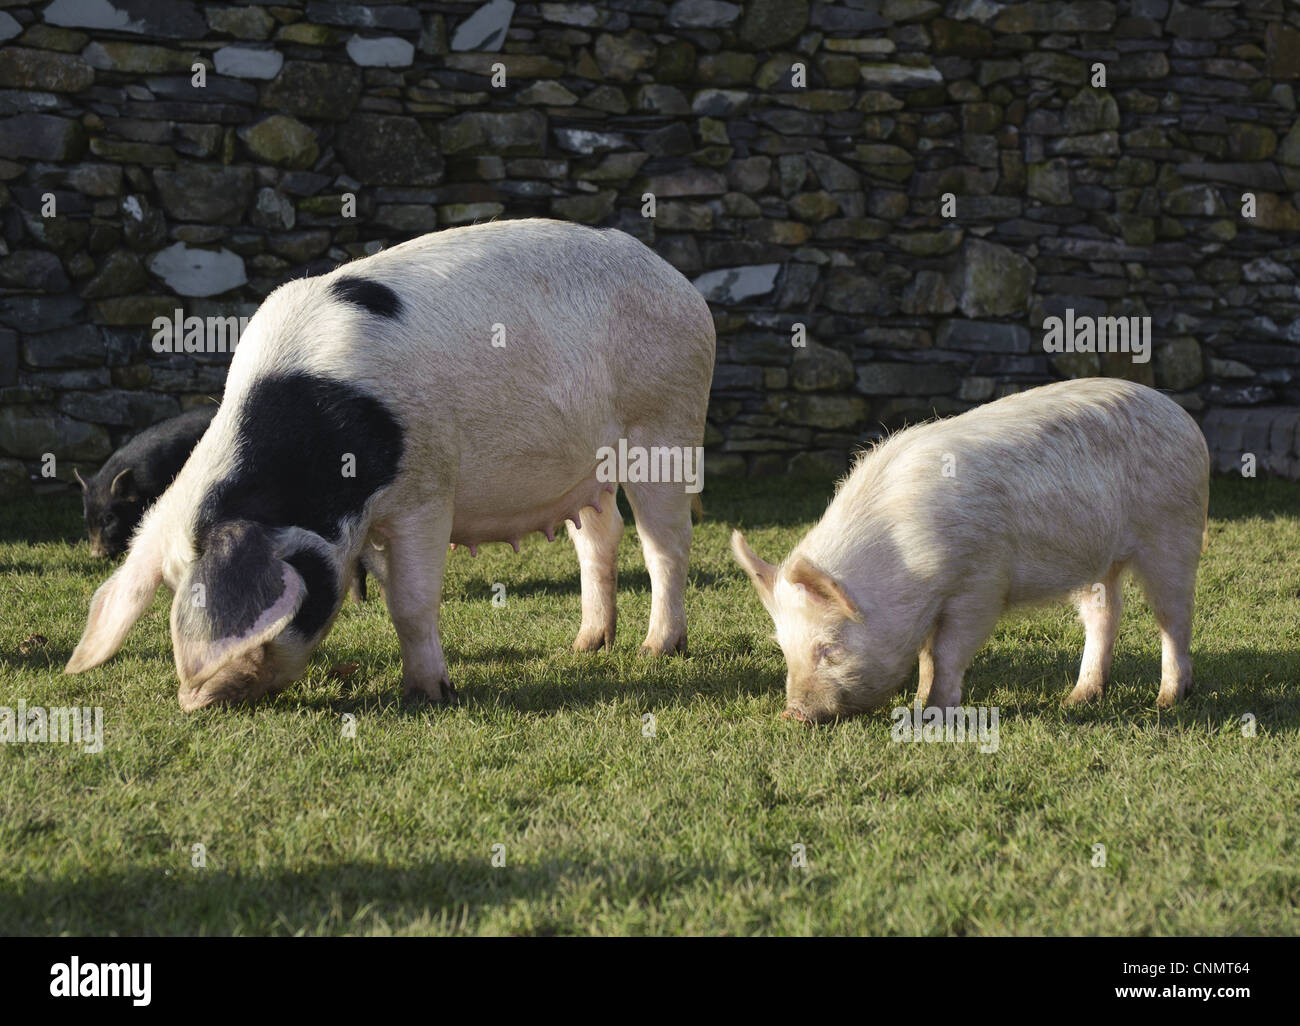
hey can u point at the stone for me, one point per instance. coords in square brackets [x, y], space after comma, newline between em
[1249, 142]
[580, 140]
[587, 208]
[273, 210]
[622, 57]
[827, 412]
[768, 24]
[120, 274]
[9, 27]
[1091, 110]
[247, 62]
[899, 379]
[818, 368]
[690, 182]
[1178, 364]
[81, 345]
[33, 269]
[302, 247]
[514, 133]
[42, 137]
[982, 337]
[961, 39]
[995, 280]
[314, 89]
[283, 141]
[241, 22]
[1050, 181]
[1062, 16]
[899, 75]
[702, 14]
[384, 149]
[661, 99]
[200, 192]
[23, 68]
[1187, 22]
[32, 431]
[486, 28]
[1283, 44]
[1194, 200]
[928, 293]
[176, 19]
[384, 52]
[737, 284]
[547, 93]
[117, 55]
[198, 272]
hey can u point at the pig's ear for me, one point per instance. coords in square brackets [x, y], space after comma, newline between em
[237, 595]
[80, 480]
[123, 487]
[119, 602]
[822, 588]
[762, 573]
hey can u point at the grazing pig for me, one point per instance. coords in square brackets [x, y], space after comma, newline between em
[459, 388]
[116, 498]
[943, 526]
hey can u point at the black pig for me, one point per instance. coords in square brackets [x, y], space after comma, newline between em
[135, 475]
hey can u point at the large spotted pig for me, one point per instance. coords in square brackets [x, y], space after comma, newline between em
[942, 527]
[455, 389]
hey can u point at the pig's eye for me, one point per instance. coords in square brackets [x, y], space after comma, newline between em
[830, 654]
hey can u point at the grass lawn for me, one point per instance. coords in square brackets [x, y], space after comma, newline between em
[609, 831]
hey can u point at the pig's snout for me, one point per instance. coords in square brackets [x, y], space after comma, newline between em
[793, 713]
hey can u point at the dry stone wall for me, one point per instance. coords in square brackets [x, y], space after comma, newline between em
[883, 200]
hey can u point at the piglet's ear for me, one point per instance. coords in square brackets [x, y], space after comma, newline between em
[119, 602]
[237, 595]
[822, 588]
[123, 487]
[761, 573]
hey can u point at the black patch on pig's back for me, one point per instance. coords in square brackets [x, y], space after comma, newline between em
[292, 433]
[370, 295]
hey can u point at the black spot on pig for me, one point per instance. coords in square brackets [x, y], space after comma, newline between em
[309, 452]
[131, 480]
[374, 296]
[322, 580]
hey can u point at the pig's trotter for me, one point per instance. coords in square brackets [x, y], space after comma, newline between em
[440, 693]
[597, 544]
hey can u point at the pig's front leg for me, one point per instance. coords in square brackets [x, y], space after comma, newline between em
[964, 625]
[416, 554]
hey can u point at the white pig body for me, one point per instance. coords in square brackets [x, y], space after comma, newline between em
[939, 529]
[455, 389]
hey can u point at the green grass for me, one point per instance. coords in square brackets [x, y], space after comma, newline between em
[607, 831]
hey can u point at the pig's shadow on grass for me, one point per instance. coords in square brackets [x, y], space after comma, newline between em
[337, 898]
[1224, 686]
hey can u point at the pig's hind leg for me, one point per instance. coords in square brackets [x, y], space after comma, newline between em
[597, 545]
[663, 520]
[1167, 571]
[1100, 608]
[415, 552]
